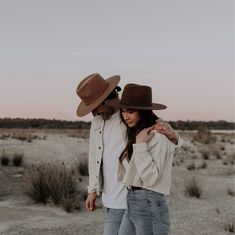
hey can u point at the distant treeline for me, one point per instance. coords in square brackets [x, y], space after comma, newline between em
[61, 124]
[42, 123]
[195, 125]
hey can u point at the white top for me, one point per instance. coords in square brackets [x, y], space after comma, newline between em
[114, 192]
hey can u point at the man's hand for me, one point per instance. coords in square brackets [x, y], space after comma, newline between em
[90, 201]
[164, 128]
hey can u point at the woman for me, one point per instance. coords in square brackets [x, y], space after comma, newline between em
[145, 163]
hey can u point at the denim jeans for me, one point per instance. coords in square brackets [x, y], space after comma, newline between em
[113, 222]
[148, 212]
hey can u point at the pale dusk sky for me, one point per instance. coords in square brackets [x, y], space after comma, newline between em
[183, 49]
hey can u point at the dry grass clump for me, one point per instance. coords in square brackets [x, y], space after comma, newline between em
[83, 167]
[231, 191]
[205, 152]
[229, 225]
[202, 166]
[17, 159]
[50, 182]
[204, 136]
[191, 166]
[25, 137]
[4, 158]
[193, 188]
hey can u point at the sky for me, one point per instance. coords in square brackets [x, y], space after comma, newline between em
[183, 49]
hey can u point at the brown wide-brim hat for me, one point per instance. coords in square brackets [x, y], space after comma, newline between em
[93, 90]
[136, 96]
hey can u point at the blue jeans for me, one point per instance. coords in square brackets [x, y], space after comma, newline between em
[113, 222]
[148, 213]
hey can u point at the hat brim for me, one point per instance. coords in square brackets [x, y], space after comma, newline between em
[118, 104]
[84, 109]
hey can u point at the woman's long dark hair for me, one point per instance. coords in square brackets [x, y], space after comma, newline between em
[147, 119]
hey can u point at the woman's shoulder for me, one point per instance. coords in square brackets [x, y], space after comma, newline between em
[157, 139]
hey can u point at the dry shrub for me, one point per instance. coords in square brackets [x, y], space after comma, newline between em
[5, 158]
[25, 137]
[232, 158]
[204, 136]
[17, 159]
[202, 166]
[231, 191]
[46, 182]
[67, 204]
[36, 183]
[191, 166]
[193, 188]
[205, 152]
[62, 183]
[229, 225]
[83, 167]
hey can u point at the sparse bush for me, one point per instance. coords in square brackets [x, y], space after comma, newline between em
[202, 166]
[62, 183]
[4, 161]
[231, 191]
[191, 166]
[67, 204]
[36, 183]
[204, 136]
[205, 152]
[193, 188]
[4, 158]
[217, 210]
[229, 225]
[17, 159]
[49, 182]
[232, 158]
[83, 167]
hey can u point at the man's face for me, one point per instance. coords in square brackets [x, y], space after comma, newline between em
[104, 110]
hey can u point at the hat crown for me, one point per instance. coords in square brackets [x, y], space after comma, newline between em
[136, 95]
[91, 88]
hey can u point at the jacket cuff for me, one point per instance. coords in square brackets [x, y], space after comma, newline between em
[91, 189]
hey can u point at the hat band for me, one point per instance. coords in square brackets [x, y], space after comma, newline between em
[133, 104]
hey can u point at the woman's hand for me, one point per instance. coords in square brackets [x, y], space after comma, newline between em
[144, 136]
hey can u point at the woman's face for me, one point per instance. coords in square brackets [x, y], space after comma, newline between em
[130, 116]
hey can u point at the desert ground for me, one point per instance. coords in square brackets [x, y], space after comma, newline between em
[211, 165]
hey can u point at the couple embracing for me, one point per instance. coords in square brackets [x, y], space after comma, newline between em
[130, 156]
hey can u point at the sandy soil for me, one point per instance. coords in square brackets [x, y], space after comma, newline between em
[189, 216]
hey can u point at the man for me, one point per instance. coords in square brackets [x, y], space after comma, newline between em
[107, 141]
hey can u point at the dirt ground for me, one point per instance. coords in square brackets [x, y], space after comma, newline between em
[211, 164]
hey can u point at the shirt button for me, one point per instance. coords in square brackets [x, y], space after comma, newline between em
[100, 132]
[98, 162]
[99, 147]
[96, 177]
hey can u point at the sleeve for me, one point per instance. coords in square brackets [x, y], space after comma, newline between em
[92, 185]
[150, 164]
